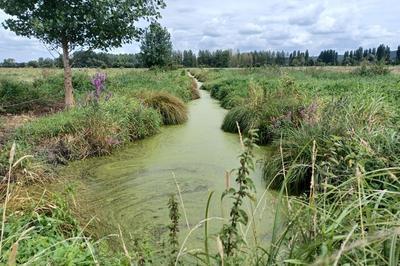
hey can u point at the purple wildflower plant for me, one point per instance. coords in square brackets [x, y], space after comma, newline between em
[99, 84]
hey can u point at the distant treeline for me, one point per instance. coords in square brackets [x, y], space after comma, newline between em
[223, 58]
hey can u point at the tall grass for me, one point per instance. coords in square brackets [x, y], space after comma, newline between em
[334, 161]
[349, 223]
[43, 95]
[173, 110]
[96, 129]
[40, 229]
[348, 131]
[269, 109]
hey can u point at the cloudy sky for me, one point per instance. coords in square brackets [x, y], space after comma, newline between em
[258, 24]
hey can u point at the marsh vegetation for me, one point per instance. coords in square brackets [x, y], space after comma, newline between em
[329, 152]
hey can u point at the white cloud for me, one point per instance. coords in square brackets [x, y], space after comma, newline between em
[258, 24]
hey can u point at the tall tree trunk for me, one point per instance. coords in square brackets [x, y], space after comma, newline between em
[69, 90]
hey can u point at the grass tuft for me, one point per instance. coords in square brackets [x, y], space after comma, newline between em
[172, 109]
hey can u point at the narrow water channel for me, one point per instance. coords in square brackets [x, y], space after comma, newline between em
[131, 187]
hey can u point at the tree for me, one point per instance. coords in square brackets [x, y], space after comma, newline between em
[33, 63]
[189, 58]
[398, 55]
[9, 62]
[380, 52]
[329, 57]
[177, 57]
[156, 47]
[69, 24]
[306, 57]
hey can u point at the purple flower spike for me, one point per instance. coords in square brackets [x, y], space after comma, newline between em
[99, 83]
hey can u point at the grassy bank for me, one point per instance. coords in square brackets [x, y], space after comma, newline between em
[333, 160]
[333, 139]
[132, 105]
[129, 106]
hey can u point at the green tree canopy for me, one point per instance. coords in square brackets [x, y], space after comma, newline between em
[68, 24]
[398, 55]
[156, 47]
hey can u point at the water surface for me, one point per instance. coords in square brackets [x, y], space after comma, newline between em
[131, 187]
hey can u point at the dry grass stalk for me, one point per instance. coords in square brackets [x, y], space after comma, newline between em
[181, 199]
[10, 161]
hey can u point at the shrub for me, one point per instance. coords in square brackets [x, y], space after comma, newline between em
[172, 109]
[371, 70]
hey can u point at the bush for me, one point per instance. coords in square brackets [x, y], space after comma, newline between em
[372, 70]
[244, 116]
[194, 90]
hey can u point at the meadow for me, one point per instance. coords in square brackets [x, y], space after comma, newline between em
[333, 160]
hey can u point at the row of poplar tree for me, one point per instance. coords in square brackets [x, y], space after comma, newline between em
[222, 58]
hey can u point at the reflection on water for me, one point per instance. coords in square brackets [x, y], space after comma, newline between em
[131, 187]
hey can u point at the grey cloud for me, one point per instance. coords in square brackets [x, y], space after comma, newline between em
[258, 24]
[250, 29]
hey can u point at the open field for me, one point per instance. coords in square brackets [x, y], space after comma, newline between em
[30, 74]
[333, 158]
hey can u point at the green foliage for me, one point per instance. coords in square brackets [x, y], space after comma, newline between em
[17, 96]
[371, 70]
[398, 55]
[89, 131]
[230, 235]
[172, 109]
[42, 95]
[348, 131]
[58, 23]
[133, 83]
[54, 84]
[244, 116]
[47, 233]
[156, 47]
[270, 109]
[173, 228]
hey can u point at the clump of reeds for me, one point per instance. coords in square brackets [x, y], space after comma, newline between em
[339, 223]
[172, 109]
[348, 131]
[269, 110]
[244, 116]
[194, 90]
